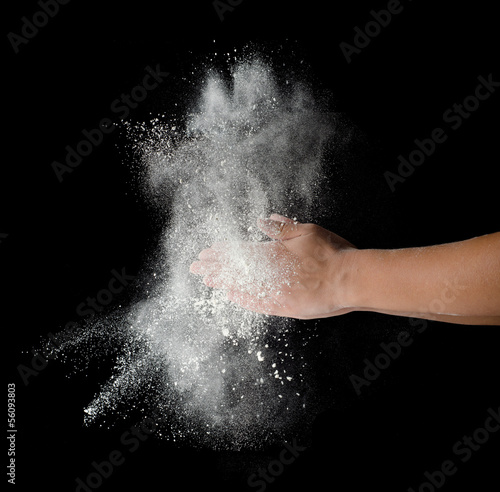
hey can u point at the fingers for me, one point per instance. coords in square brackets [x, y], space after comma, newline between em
[281, 218]
[215, 252]
[205, 267]
[277, 229]
[208, 255]
[219, 263]
[226, 279]
[266, 305]
[213, 281]
[212, 274]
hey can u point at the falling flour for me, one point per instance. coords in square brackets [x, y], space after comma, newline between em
[219, 375]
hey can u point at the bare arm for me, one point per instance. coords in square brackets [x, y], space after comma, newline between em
[456, 282]
[319, 274]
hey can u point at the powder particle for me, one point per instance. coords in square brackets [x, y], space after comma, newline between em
[222, 376]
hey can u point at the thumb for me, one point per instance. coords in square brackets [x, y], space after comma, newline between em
[277, 229]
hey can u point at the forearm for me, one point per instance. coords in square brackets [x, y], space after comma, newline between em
[459, 281]
[446, 318]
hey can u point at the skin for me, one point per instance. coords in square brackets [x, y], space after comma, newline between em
[320, 274]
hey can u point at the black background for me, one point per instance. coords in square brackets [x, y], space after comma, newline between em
[65, 238]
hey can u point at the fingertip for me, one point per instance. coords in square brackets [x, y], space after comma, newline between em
[195, 267]
[265, 306]
[281, 218]
[270, 227]
[206, 254]
[208, 280]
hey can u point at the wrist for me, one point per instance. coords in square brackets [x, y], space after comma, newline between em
[378, 280]
[355, 266]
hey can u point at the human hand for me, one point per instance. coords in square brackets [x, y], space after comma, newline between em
[299, 274]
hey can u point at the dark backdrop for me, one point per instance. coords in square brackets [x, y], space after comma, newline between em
[60, 240]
